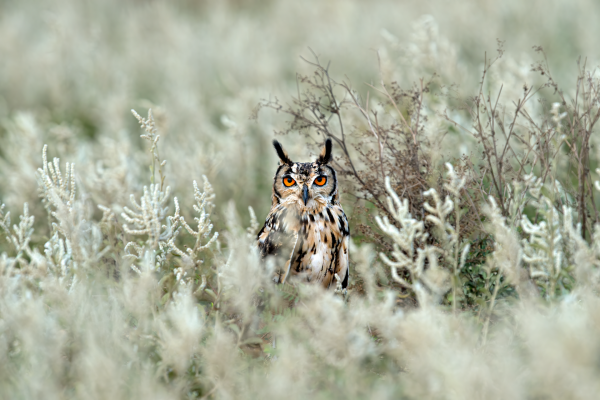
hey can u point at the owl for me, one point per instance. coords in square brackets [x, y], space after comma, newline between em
[306, 230]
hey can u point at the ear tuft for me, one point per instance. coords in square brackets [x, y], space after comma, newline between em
[283, 156]
[325, 155]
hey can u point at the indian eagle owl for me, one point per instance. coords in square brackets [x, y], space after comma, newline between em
[306, 229]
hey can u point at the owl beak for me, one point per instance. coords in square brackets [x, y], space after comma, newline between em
[305, 194]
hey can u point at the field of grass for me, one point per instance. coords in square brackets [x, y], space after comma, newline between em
[466, 140]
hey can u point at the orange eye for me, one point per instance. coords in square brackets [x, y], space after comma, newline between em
[287, 181]
[321, 180]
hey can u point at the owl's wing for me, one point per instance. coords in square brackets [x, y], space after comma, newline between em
[343, 229]
[274, 240]
[344, 267]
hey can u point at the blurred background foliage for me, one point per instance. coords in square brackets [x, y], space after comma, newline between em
[76, 69]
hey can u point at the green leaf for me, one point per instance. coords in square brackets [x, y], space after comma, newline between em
[234, 328]
[253, 340]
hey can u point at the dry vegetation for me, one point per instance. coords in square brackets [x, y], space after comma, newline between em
[128, 267]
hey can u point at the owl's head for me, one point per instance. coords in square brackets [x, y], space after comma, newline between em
[310, 185]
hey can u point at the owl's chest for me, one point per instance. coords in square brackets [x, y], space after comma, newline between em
[320, 241]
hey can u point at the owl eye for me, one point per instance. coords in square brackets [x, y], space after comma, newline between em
[287, 181]
[321, 180]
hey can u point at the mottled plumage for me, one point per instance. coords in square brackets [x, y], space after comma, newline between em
[306, 229]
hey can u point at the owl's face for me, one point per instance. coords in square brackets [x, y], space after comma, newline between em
[310, 185]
